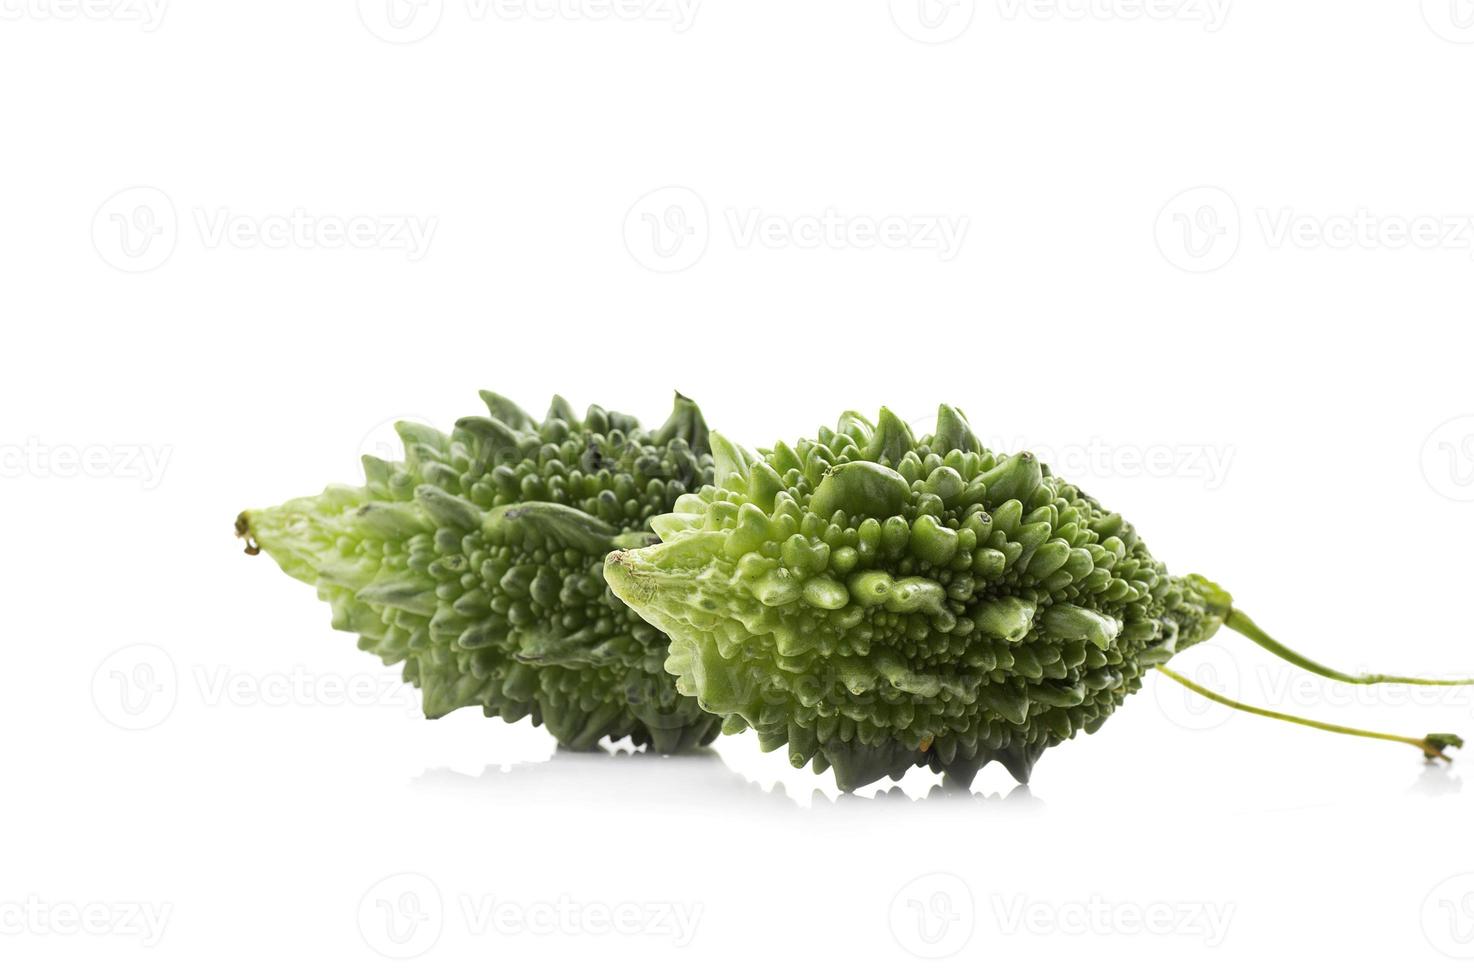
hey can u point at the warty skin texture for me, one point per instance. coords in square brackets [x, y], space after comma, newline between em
[875, 601]
[478, 564]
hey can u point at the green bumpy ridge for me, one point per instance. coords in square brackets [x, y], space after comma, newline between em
[478, 563]
[877, 601]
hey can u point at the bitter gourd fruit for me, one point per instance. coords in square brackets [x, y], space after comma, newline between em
[478, 563]
[876, 601]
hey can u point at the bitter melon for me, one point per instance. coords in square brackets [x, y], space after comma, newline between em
[478, 562]
[876, 602]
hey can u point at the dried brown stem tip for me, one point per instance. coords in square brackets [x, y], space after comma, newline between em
[243, 530]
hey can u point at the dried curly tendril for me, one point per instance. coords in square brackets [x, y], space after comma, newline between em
[876, 601]
[478, 563]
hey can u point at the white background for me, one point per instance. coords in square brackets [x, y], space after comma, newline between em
[1214, 263]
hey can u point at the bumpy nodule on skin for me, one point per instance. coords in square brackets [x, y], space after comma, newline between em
[877, 601]
[478, 563]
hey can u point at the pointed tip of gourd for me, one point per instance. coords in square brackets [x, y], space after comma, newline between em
[857, 765]
[492, 437]
[1016, 478]
[1019, 760]
[856, 426]
[953, 432]
[685, 422]
[891, 441]
[783, 458]
[730, 460]
[560, 410]
[1009, 701]
[414, 434]
[506, 410]
[763, 485]
[376, 471]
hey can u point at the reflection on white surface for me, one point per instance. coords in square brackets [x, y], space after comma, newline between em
[1437, 780]
[700, 780]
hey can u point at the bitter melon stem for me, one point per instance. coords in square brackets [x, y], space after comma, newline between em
[243, 530]
[1432, 745]
[1240, 623]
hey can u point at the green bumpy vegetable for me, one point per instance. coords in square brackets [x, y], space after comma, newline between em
[478, 564]
[878, 602]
